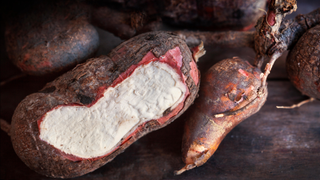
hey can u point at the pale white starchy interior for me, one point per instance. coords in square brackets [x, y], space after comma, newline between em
[94, 131]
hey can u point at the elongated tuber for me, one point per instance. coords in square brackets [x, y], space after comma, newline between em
[230, 91]
[86, 117]
[50, 37]
[128, 18]
[213, 14]
[233, 90]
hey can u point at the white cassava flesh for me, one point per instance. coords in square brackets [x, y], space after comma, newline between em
[89, 132]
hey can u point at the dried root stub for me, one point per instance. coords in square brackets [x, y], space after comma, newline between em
[231, 91]
[86, 117]
[49, 37]
[303, 63]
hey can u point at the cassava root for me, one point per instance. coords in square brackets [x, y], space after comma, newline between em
[89, 115]
[223, 102]
[49, 37]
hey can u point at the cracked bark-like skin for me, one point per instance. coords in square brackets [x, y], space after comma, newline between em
[231, 87]
[270, 39]
[50, 37]
[82, 86]
[214, 14]
[303, 63]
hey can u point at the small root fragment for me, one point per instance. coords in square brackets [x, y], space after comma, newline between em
[185, 168]
[296, 105]
[5, 126]
[198, 51]
[12, 78]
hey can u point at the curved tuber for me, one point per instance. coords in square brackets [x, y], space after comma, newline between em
[49, 37]
[89, 115]
[231, 91]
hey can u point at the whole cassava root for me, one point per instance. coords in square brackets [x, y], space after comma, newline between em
[128, 18]
[50, 37]
[280, 36]
[273, 36]
[213, 14]
[225, 97]
[266, 40]
[303, 63]
[43, 124]
[231, 91]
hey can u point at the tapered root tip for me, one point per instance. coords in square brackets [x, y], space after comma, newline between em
[185, 168]
[180, 171]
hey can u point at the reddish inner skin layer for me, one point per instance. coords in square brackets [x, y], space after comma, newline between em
[173, 58]
[194, 73]
[271, 17]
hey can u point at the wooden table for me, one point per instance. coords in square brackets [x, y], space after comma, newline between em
[272, 144]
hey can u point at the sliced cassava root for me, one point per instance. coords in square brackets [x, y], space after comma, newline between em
[231, 91]
[90, 85]
[145, 95]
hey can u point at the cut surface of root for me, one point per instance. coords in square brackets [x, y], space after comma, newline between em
[95, 130]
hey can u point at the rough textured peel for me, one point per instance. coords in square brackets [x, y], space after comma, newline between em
[230, 92]
[84, 86]
[50, 37]
[214, 14]
[303, 63]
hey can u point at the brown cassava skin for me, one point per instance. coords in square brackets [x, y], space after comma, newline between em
[284, 34]
[213, 14]
[223, 90]
[81, 86]
[127, 18]
[50, 37]
[303, 63]
[131, 19]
